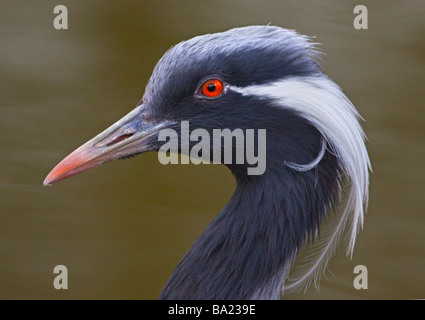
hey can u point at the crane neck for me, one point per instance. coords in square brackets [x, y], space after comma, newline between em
[246, 250]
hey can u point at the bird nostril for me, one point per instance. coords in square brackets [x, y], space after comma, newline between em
[119, 139]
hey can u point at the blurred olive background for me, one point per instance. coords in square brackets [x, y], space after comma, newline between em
[121, 228]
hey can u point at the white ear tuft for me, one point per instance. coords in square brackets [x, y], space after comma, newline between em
[324, 105]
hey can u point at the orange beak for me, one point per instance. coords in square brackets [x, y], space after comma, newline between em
[124, 138]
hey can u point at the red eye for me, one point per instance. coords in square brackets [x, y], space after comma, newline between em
[212, 88]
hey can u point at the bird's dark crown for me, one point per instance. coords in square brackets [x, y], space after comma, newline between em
[240, 57]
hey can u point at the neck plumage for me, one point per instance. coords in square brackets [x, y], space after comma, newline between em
[246, 250]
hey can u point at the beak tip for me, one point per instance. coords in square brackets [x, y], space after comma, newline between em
[48, 181]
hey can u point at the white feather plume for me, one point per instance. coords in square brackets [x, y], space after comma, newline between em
[324, 105]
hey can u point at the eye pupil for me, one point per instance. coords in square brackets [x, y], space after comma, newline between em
[211, 87]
